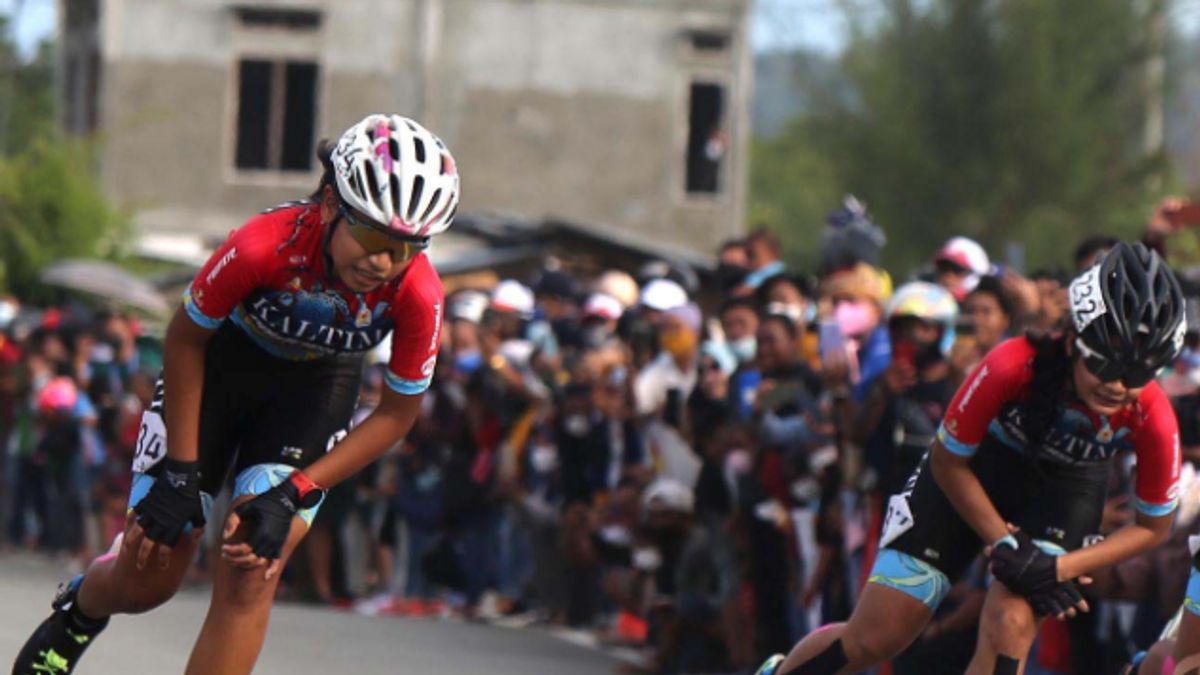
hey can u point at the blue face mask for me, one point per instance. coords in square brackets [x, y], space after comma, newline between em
[744, 349]
[468, 362]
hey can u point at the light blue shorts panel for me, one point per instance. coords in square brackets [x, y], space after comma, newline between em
[1191, 599]
[141, 487]
[259, 478]
[910, 576]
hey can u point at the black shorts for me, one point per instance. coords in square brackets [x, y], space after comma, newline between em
[1053, 503]
[261, 409]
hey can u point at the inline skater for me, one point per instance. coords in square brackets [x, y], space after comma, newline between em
[1020, 462]
[261, 371]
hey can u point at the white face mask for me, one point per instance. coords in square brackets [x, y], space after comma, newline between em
[744, 349]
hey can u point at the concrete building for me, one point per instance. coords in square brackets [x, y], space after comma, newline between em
[629, 116]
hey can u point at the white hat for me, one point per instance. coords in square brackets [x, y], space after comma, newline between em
[668, 494]
[513, 296]
[966, 253]
[603, 306]
[663, 295]
[468, 305]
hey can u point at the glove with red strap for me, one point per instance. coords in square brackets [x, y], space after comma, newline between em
[268, 517]
[1027, 570]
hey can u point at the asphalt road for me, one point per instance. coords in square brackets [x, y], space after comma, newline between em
[301, 639]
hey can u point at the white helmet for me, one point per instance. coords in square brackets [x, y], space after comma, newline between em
[397, 173]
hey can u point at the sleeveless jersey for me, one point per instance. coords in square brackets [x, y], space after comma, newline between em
[270, 278]
[989, 407]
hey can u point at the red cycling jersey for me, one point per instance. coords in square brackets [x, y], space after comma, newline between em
[270, 278]
[989, 406]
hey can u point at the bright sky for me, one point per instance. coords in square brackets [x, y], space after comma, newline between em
[776, 23]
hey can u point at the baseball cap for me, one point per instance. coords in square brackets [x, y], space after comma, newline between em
[663, 295]
[512, 296]
[602, 306]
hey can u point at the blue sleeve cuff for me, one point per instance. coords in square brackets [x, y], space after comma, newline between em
[196, 315]
[407, 387]
[1156, 510]
[953, 444]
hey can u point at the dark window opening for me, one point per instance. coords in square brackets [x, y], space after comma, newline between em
[268, 17]
[706, 141]
[277, 113]
[709, 40]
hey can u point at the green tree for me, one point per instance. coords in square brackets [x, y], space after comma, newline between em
[51, 202]
[1005, 120]
[51, 207]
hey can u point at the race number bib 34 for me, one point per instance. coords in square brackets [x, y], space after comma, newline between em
[151, 445]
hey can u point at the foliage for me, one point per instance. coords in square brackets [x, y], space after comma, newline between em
[51, 203]
[1005, 120]
[52, 207]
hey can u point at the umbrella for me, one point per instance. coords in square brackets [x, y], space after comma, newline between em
[105, 280]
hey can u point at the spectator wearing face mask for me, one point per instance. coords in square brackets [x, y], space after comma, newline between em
[901, 414]
[853, 300]
[661, 390]
[710, 406]
[733, 264]
[739, 322]
[791, 296]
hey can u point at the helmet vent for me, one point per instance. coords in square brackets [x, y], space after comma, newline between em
[372, 184]
[394, 186]
[394, 147]
[419, 146]
[437, 194]
[415, 198]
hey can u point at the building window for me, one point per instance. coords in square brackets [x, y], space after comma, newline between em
[277, 112]
[707, 142]
[708, 41]
[271, 17]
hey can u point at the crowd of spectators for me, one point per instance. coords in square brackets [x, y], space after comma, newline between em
[691, 466]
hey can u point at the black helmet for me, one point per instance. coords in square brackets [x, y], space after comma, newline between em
[1128, 312]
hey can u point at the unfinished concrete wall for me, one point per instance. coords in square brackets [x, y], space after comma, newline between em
[569, 108]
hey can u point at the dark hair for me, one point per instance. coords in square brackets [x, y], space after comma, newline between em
[768, 238]
[729, 244]
[1051, 368]
[736, 302]
[325, 157]
[992, 286]
[1055, 273]
[1090, 246]
[802, 283]
[783, 320]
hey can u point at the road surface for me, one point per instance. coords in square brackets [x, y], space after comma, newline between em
[301, 640]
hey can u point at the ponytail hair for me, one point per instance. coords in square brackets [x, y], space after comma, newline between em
[325, 157]
[1051, 368]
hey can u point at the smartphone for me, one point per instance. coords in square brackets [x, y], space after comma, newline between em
[830, 338]
[904, 351]
[1187, 214]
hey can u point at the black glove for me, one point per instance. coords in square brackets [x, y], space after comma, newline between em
[172, 504]
[1025, 569]
[1055, 600]
[268, 517]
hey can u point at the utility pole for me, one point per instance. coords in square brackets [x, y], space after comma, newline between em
[1155, 89]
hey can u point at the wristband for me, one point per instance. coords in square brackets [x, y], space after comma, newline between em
[308, 493]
